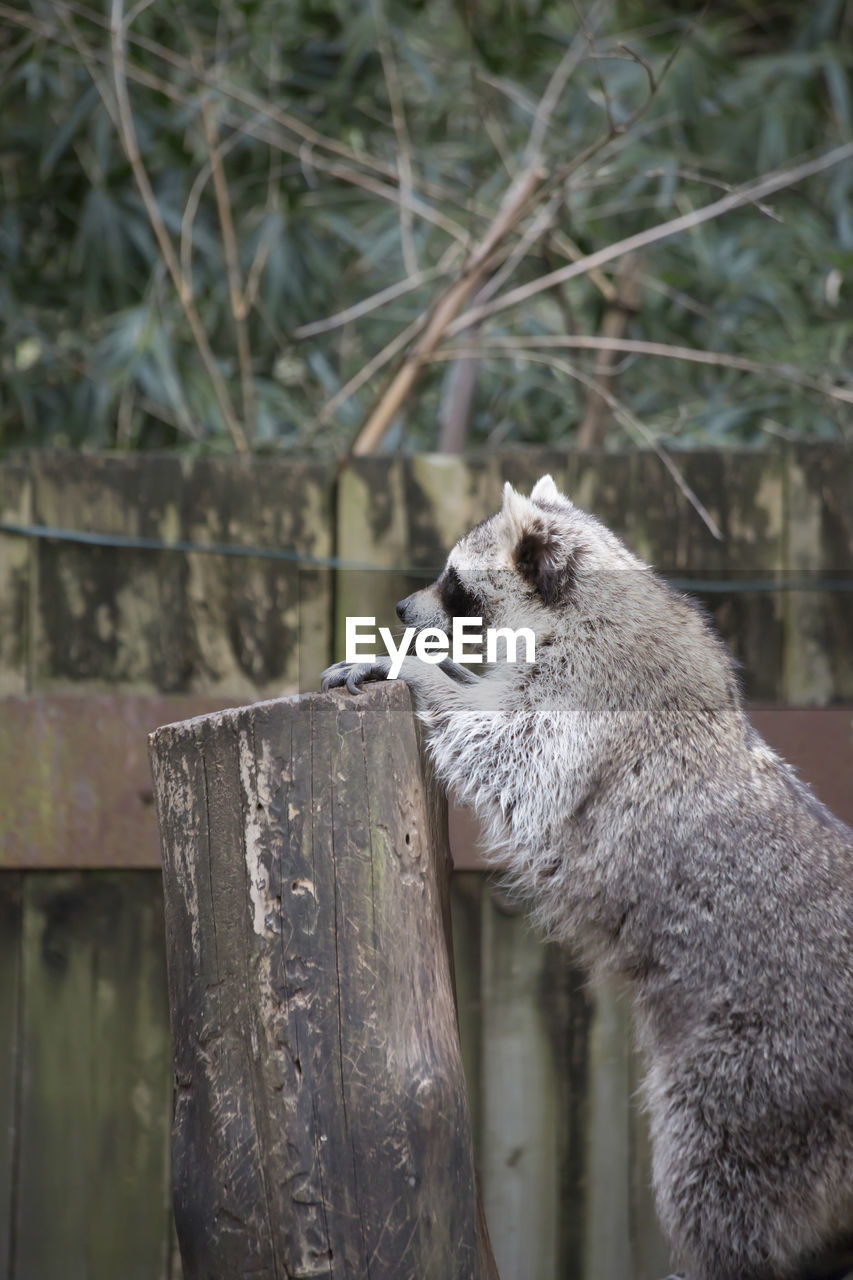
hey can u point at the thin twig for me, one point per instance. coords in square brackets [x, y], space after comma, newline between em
[237, 93]
[634, 56]
[593, 52]
[231, 252]
[556, 85]
[621, 412]
[626, 301]
[614, 130]
[686, 222]
[409, 200]
[678, 296]
[366, 372]
[567, 247]
[401, 132]
[257, 267]
[663, 350]
[542, 223]
[378, 299]
[611, 208]
[127, 133]
[512, 207]
[192, 205]
[517, 200]
[254, 128]
[263, 128]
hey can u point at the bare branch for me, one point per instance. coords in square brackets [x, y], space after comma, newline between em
[634, 56]
[236, 92]
[256, 270]
[620, 411]
[377, 188]
[686, 222]
[231, 252]
[695, 355]
[123, 119]
[377, 300]
[567, 247]
[259, 106]
[625, 302]
[590, 41]
[541, 224]
[512, 208]
[515, 204]
[373, 366]
[557, 82]
[191, 207]
[401, 132]
[263, 128]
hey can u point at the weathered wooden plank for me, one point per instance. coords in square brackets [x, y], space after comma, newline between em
[15, 580]
[175, 621]
[466, 897]
[10, 1074]
[321, 1126]
[75, 787]
[92, 1189]
[744, 492]
[818, 653]
[372, 529]
[523, 467]
[531, 1194]
[443, 500]
[818, 742]
[607, 1252]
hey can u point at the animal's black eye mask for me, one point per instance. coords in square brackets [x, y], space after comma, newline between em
[457, 599]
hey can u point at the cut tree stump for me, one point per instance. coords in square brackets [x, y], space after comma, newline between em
[321, 1123]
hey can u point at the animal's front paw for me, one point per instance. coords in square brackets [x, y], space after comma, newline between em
[354, 674]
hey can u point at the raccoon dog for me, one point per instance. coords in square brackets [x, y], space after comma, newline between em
[654, 832]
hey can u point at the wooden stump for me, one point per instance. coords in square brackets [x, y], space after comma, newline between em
[321, 1121]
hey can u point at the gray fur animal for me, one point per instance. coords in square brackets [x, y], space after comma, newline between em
[656, 833]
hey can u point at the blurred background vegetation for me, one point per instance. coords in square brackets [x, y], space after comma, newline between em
[223, 227]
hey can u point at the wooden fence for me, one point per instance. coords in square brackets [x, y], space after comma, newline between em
[99, 643]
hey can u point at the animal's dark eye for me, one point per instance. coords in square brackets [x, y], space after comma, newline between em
[458, 600]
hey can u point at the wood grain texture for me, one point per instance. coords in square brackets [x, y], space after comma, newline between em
[91, 1193]
[321, 1123]
[158, 621]
[75, 786]
[10, 1051]
[818, 653]
[15, 580]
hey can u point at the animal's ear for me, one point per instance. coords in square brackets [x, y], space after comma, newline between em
[545, 490]
[537, 551]
[544, 562]
[516, 510]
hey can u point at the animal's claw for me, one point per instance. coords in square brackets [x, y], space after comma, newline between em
[352, 675]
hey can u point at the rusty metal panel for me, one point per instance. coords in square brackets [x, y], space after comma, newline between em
[75, 789]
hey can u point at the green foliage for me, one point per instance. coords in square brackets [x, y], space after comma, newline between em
[99, 351]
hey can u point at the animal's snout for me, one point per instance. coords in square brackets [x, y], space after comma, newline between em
[401, 607]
